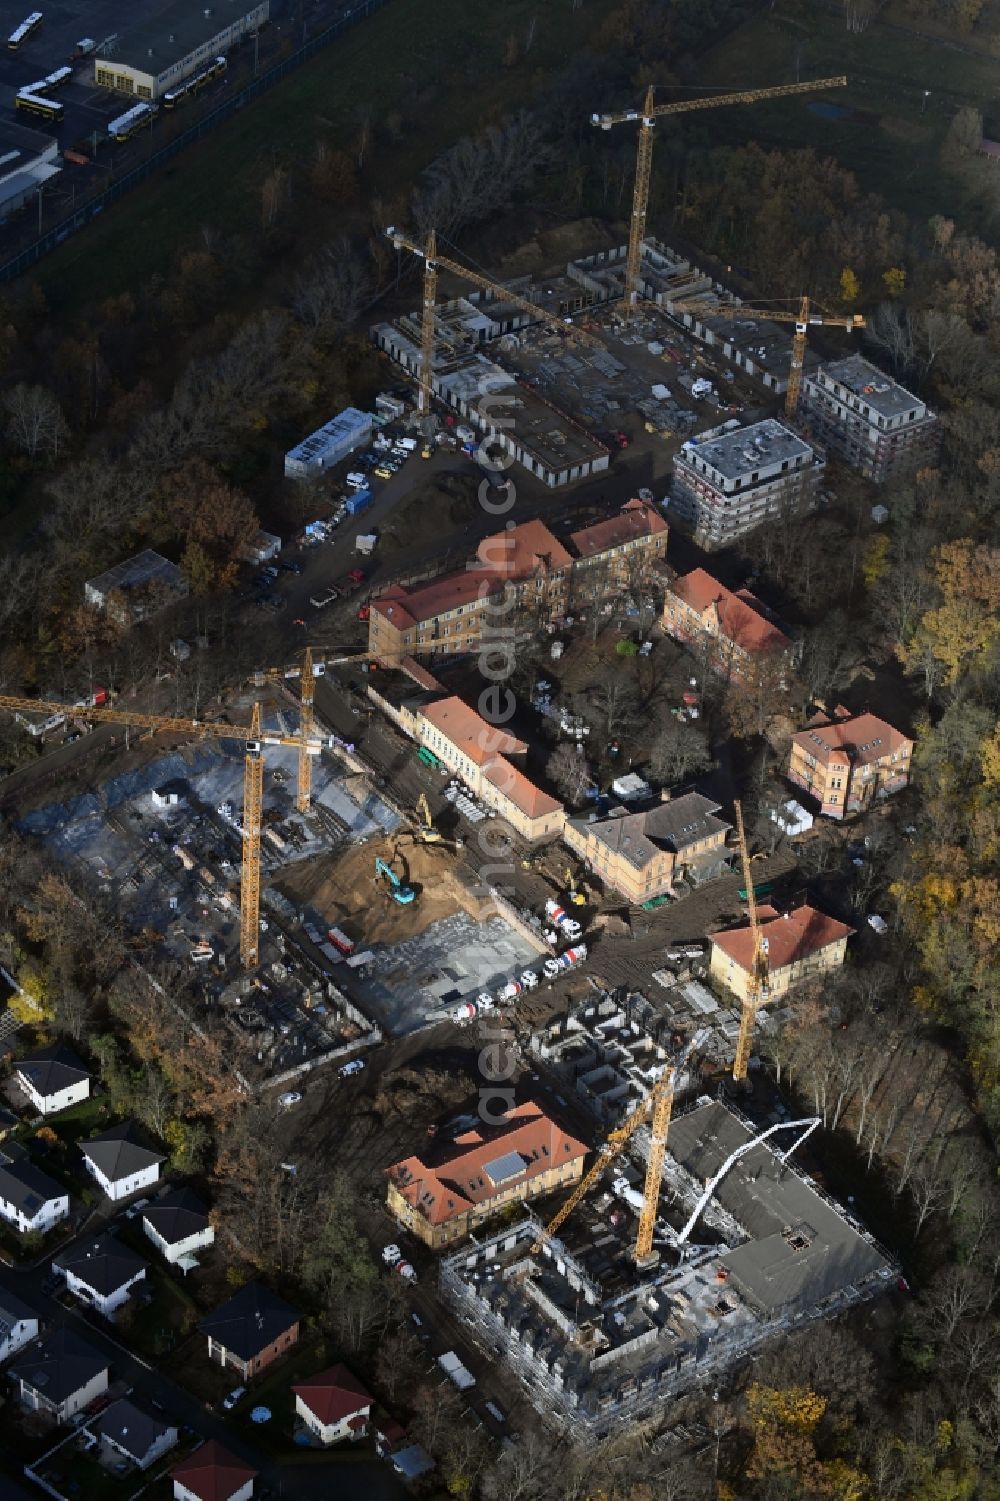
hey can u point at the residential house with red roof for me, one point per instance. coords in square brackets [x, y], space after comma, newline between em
[333, 1405]
[847, 762]
[729, 628]
[799, 944]
[527, 567]
[443, 1199]
[211, 1473]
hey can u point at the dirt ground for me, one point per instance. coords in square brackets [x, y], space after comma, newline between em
[343, 889]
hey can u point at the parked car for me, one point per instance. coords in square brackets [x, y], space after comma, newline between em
[134, 1210]
[228, 1403]
[289, 1098]
[354, 1067]
[383, 471]
[292, 566]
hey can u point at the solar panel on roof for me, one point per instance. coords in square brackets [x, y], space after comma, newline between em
[510, 1165]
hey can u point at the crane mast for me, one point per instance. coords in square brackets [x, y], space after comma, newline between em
[647, 118]
[253, 799]
[756, 990]
[803, 319]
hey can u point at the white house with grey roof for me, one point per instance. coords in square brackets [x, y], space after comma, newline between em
[131, 1432]
[19, 1324]
[121, 1162]
[731, 479]
[137, 588]
[53, 1078]
[30, 1200]
[60, 1374]
[179, 1228]
[101, 1273]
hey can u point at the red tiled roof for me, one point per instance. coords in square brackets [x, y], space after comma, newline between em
[453, 1186]
[420, 675]
[740, 620]
[212, 1474]
[405, 608]
[637, 518]
[470, 733]
[523, 551]
[792, 937]
[521, 790]
[334, 1395]
[862, 739]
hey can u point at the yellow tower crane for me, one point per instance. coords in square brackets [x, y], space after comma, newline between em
[253, 784]
[803, 319]
[647, 118]
[307, 674]
[661, 1099]
[433, 263]
[757, 987]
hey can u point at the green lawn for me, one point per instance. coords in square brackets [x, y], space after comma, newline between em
[163, 1323]
[894, 150]
[439, 61]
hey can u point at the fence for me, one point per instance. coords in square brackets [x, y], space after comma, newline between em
[81, 216]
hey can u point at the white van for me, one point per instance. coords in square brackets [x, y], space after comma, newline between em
[356, 481]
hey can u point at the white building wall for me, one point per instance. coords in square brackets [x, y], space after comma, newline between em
[181, 1493]
[22, 1334]
[188, 1247]
[50, 1213]
[51, 1104]
[107, 1305]
[127, 1186]
[73, 1403]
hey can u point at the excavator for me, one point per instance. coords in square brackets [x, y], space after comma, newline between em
[573, 892]
[426, 833]
[400, 891]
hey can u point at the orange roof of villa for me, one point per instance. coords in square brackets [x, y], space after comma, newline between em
[739, 615]
[791, 937]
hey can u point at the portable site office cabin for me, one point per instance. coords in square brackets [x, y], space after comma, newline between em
[349, 430]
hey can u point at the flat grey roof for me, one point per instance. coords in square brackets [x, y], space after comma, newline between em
[876, 389]
[801, 1248]
[740, 453]
[180, 28]
[29, 144]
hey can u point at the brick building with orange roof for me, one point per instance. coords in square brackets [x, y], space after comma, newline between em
[443, 1199]
[730, 628]
[800, 944]
[846, 762]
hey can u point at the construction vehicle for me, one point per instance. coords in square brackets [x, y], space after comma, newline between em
[661, 1103]
[757, 984]
[566, 924]
[557, 965]
[427, 833]
[573, 894]
[803, 319]
[646, 119]
[398, 889]
[435, 262]
[253, 784]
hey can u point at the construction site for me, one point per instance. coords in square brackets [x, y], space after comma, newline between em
[745, 1247]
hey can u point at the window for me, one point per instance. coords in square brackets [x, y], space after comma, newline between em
[144, 92]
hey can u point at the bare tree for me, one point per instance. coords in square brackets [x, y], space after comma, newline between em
[679, 751]
[35, 422]
[568, 771]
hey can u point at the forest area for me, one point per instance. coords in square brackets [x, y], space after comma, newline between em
[152, 418]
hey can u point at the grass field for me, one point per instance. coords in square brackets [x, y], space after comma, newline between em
[439, 62]
[893, 146]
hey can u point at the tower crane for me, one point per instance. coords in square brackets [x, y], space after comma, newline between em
[757, 986]
[435, 262]
[307, 674]
[647, 118]
[803, 319]
[253, 784]
[661, 1098]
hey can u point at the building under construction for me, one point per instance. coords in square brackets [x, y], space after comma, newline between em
[750, 1248]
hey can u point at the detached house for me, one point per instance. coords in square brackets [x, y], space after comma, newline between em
[846, 762]
[211, 1473]
[121, 1162]
[53, 1078]
[178, 1226]
[648, 853]
[730, 628]
[19, 1324]
[251, 1331]
[333, 1405]
[484, 1172]
[30, 1200]
[799, 944]
[132, 1433]
[101, 1274]
[60, 1375]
